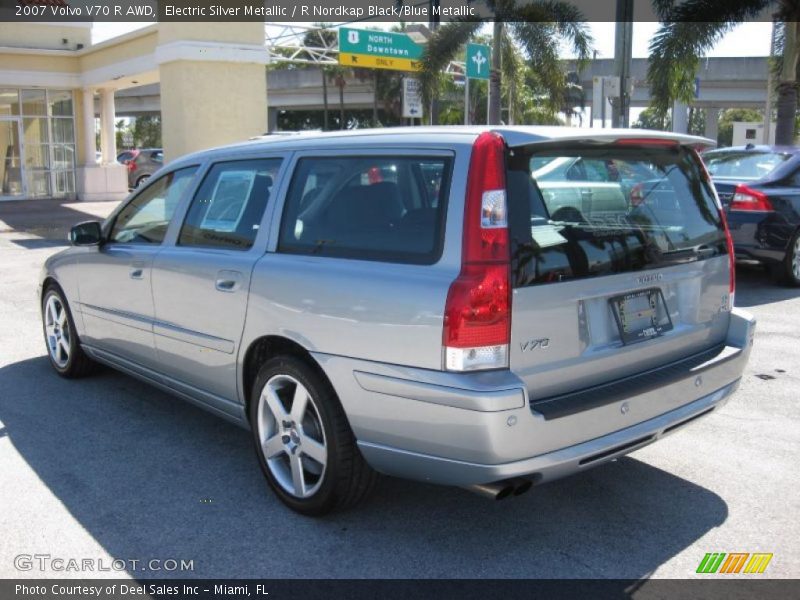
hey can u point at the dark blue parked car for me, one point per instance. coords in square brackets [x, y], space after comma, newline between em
[759, 186]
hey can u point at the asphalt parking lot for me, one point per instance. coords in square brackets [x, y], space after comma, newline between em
[108, 467]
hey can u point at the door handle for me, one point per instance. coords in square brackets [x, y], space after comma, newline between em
[228, 281]
[137, 273]
[226, 285]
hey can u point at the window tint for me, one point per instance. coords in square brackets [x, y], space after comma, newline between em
[632, 209]
[145, 219]
[384, 208]
[227, 209]
[743, 165]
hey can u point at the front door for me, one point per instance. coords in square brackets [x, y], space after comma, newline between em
[201, 284]
[115, 288]
[12, 181]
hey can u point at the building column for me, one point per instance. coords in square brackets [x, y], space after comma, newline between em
[89, 139]
[680, 117]
[712, 123]
[108, 135]
[213, 79]
[108, 180]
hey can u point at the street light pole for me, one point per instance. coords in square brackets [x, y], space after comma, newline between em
[623, 42]
[433, 25]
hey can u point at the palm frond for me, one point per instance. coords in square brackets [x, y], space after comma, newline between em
[567, 19]
[689, 29]
[663, 8]
[720, 11]
[442, 47]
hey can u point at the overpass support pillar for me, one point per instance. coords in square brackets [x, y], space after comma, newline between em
[212, 84]
[680, 117]
[712, 123]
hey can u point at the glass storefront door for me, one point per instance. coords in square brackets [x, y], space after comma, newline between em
[12, 182]
[37, 143]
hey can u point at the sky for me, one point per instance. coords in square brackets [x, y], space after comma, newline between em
[748, 39]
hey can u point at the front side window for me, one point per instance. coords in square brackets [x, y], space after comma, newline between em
[227, 209]
[370, 208]
[591, 211]
[145, 218]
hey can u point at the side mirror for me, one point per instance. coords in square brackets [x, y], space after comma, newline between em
[88, 233]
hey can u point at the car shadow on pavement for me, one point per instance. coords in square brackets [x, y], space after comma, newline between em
[149, 476]
[49, 219]
[756, 286]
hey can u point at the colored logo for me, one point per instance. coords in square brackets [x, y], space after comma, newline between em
[734, 562]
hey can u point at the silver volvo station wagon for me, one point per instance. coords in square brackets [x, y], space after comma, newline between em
[479, 307]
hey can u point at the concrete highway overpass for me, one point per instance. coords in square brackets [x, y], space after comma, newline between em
[735, 82]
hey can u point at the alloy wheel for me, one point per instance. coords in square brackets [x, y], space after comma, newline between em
[56, 327]
[291, 436]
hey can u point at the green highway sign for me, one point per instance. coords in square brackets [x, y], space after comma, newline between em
[378, 49]
[479, 60]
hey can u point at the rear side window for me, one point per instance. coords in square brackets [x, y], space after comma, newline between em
[743, 165]
[588, 211]
[227, 209]
[370, 208]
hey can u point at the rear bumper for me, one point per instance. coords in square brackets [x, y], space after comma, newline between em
[465, 429]
[545, 467]
[758, 236]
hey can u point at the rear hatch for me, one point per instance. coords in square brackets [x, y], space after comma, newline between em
[619, 262]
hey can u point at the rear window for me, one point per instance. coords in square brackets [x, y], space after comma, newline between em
[388, 208]
[588, 211]
[743, 165]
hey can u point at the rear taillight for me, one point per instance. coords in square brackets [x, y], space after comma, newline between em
[131, 165]
[745, 198]
[637, 195]
[477, 315]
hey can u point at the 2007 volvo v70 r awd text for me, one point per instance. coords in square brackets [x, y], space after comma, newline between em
[486, 308]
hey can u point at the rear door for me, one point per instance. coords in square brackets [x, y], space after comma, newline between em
[633, 278]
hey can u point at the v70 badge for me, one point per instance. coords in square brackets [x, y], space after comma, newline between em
[532, 345]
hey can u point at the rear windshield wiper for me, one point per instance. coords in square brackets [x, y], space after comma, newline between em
[691, 254]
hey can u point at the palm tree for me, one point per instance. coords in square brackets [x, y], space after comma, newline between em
[692, 27]
[322, 36]
[537, 27]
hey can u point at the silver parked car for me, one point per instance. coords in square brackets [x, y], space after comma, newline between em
[414, 302]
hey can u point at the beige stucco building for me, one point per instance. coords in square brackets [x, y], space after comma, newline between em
[54, 84]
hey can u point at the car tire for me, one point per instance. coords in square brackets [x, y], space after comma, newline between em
[141, 180]
[303, 441]
[790, 272]
[61, 337]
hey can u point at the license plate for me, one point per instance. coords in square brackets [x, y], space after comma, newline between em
[641, 315]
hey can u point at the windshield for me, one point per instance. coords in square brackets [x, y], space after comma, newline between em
[743, 165]
[589, 211]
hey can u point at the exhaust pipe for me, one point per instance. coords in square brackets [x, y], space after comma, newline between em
[521, 485]
[499, 490]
